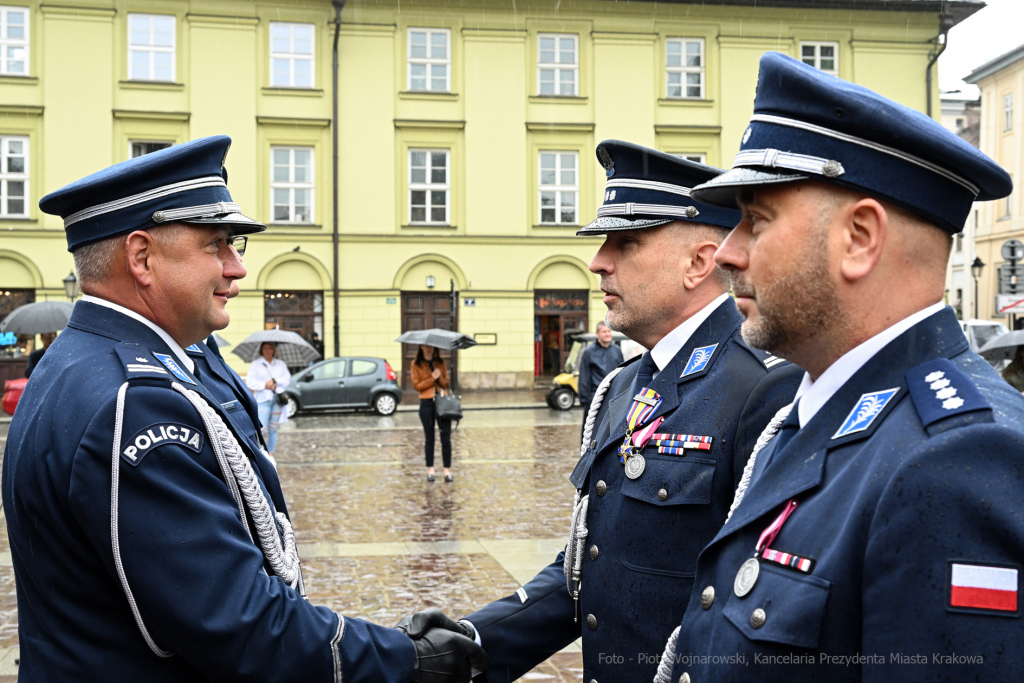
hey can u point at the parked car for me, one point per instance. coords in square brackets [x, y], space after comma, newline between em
[351, 382]
[981, 332]
[562, 396]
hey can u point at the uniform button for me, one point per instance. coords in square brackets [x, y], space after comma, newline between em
[662, 494]
[601, 487]
[593, 680]
[758, 617]
[592, 622]
[707, 598]
[593, 445]
[685, 678]
[594, 552]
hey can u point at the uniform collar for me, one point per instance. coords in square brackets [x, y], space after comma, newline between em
[666, 349]
[175, 348]
[813, 395]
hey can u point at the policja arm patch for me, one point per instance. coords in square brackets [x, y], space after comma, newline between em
[160, 434]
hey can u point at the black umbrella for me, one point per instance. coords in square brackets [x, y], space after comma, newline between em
[37, 318]
[291, 348]
[438, 338]
[1003, 347]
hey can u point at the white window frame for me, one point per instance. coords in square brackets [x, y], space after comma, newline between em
[153, 49]
[6, 42]
[682, 69]
[291, 184]
[1007, 112]
[131, 143]
[5, 177]
[696, 157]
[293, 57]
[428, 61]
[817, 45]
[429, 186]
[558, 188]
[559, 67]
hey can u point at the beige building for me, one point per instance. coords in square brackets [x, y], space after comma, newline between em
[1001, 129]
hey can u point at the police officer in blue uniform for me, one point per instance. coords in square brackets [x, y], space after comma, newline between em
[881, 534]
[149, 534]
[666, 439]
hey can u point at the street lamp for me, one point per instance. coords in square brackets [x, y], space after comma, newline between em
[71, 286]
[976, 267]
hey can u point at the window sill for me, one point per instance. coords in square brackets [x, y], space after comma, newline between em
[293, 92]
[18, 80]
[1003, 218]
[428, 95]
[684, 102]
[294, 225]
[17, 219]
[416, 226]
[557, 99]
[571, 226]
[150, 85]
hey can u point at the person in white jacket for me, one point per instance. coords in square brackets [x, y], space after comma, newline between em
[268, 376]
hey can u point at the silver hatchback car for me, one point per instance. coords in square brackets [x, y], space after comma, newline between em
[350, 382]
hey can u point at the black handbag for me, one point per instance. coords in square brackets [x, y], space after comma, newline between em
[282, 399]
[448, 407]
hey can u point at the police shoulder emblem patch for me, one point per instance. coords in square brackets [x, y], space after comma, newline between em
[699, 359]
[940, 390]
[173, 366]
[193, 348]
[868, 407]
[162, 434]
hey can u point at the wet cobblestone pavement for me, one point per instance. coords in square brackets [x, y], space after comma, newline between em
[378, 541]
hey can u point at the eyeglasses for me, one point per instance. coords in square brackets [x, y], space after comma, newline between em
[238, 242]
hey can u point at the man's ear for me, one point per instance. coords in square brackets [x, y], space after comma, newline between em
[865, 227]
[702, 263]
[139, 247]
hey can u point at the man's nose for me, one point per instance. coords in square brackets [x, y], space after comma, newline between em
[602, 262]
[233, 267]
[732, 254]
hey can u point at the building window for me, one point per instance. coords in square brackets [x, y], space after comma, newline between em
[291, 55]
[699, 158]
[684, 64]
[959, 125]
[959, 242]
[14, 177]
[557, 65]
[429, 59]
[14, 41]
[151, 47]
[559, 188]
[291, 184]
[824, 56]
[428, 186]
[137, 148]
[1008, 111]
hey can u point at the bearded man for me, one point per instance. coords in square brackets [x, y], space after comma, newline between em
[665, 440]
[879, 535]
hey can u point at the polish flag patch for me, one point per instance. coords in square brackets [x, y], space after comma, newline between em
[993, 589]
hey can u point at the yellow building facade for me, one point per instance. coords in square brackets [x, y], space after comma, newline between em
[466, 140]
[1001, 83]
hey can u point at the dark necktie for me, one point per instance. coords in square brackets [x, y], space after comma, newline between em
[644, 374]
[789, 429]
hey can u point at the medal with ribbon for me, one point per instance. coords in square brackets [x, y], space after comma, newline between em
[749, 571]
[645, 403]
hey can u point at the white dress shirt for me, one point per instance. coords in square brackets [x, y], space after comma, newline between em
[812, 395]
[260, 372]
[666, 349]
[175, 348]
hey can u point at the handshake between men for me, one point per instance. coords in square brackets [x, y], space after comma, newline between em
[446, 651]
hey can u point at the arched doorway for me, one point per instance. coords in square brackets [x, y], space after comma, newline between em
[293, 299]
[429, 289]
[561, 302]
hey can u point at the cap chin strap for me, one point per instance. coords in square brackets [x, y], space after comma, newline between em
[142, 197]
[773, 158]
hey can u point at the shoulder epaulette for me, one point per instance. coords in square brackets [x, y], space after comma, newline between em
[138, 362]
[940, 390]
[769, 361]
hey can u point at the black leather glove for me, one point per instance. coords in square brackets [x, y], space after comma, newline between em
[445, 649]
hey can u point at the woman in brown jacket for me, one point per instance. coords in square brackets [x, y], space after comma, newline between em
[429, 374]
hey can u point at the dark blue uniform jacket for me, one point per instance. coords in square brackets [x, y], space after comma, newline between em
[202, 587]
[891, 495]
[642, 547]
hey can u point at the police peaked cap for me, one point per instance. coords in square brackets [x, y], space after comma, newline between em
[185, 183]
[647, 188]
[810, 125]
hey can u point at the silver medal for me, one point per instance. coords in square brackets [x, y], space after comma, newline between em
[635, 466]
[746, 577]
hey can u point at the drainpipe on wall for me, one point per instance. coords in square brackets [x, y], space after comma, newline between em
[338, 6]
[941, 41]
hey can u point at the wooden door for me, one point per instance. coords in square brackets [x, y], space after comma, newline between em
[423, 311]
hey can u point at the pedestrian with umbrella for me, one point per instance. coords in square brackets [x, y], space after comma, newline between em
[269, 353]
[1010, 347]
[44, 318]
[430, 377]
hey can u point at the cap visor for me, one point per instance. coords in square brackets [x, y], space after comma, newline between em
[607, 224]
[239, 223]
[723, 190]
